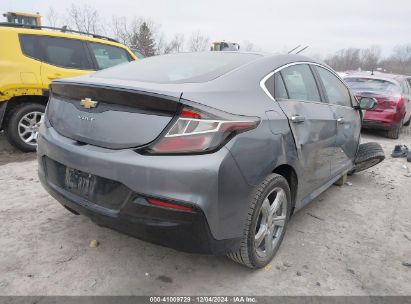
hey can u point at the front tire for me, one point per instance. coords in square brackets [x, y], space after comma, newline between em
[266, 223]
[22, 126]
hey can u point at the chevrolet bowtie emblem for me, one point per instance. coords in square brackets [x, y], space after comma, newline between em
[88, 103]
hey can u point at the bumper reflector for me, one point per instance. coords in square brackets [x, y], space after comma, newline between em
[169, 205]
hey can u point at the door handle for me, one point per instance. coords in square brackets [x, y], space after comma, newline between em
[341, 120]
[297, 119]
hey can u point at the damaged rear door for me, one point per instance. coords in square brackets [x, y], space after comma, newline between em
[347, 120]
[311, 122]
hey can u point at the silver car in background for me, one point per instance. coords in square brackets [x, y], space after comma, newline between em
[203, 152]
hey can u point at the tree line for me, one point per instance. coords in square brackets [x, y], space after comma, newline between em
[146, 36]
[370, 59]
[137, 33]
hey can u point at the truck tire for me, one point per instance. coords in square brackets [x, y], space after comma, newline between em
[22, 125]
[368, 155]
[266, 222]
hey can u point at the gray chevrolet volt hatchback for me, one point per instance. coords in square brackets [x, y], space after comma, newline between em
[202, 152]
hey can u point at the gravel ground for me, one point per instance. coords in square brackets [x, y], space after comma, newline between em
[351, 240]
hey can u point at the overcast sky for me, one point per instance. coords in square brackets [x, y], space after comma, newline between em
[324, 25]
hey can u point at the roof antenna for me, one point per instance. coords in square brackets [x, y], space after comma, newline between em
[294, 49]
[303, 49]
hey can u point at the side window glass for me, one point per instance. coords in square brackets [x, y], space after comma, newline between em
[279, 88]
[63, 52]
[336, 91]
[29, 46]
[107, 56]
[300, 83]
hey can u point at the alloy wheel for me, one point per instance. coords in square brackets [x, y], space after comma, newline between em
[28, 127]
[270, 224]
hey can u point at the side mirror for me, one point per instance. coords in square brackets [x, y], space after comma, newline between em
[367, 103]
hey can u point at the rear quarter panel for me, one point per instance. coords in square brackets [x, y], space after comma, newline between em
[19, 75]
[257, 152]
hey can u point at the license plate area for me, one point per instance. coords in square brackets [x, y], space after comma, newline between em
[80, 183]
[95, 189]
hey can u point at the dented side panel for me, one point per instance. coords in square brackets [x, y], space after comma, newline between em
[314, 137]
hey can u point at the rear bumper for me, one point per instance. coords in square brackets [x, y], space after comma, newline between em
[184, 231]
[211, 183]
[384, 120]
[378, 125]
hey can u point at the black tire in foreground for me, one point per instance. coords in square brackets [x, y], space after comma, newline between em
[22, 125]
[266, 223]
[368, 155]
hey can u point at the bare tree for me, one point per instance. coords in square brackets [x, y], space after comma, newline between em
[161, 44]
[175, 45]
[345, 59]
[53, 18]
[400, 60]
[370, 58]
[402, 53]
[198, 42]
[141, 34]
[120, 30]
[84, 18]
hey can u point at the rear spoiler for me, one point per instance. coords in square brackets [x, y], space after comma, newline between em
[145, 101]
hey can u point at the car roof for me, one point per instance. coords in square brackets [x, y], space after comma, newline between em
[248, 73]
[378, 75]
[61, 34]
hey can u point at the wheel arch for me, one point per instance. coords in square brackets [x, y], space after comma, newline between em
[16, 101]
[290, 174]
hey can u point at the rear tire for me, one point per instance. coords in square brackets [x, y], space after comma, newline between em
[267, 219]
[395, 133]
[30, 115]
[368, 155]
[408, 122]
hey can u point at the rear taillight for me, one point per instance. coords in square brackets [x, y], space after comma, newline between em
[388, 102]
[198, 131]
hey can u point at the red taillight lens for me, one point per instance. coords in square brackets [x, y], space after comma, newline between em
[169, 205]
[195, 132]
[190, 114]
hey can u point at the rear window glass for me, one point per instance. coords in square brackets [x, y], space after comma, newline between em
[29, 46]
[179, 68]
[372, 85]
[62, 52]
[67, 53]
